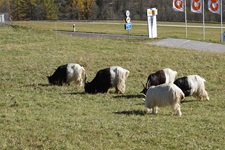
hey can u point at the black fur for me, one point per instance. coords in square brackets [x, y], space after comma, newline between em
[184, 85]
[156, 78]
[59, 77]
[100, 84]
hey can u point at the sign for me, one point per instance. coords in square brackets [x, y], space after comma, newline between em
[127, 13]
[152, 22]
[127, 16]
[128, 26]
[152, 12]
[127, 20]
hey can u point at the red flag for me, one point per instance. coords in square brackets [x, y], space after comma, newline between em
[178, 5]
[214, 6]
[196, 6]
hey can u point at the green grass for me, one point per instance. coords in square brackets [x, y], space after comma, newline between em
[34, 115]
[139, 28]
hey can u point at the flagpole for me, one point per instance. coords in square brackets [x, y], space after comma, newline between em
[203, 20]
[185, 7]
[221, 15]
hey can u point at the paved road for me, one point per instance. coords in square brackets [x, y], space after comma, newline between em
[90, 34]
[190, 44]
[168, 42]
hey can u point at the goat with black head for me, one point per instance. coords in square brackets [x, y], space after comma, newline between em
[67, 73]
[166, 75]
[193, 85]
[114, 76]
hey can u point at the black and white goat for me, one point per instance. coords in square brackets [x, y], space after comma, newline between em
[166, 75]
[67, 73]
[193, 85]
[114, 76]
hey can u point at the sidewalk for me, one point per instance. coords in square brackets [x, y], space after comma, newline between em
[190, 44]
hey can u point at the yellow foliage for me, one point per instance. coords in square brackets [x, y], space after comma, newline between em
[84, 7]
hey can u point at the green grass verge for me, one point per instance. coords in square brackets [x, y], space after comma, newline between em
[34, 115]
[194, 30]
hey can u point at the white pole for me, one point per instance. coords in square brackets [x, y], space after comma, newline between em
[203, 19]
[149, 23]
[221, 15]
[185, 7]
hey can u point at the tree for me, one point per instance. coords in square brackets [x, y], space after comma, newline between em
[15, 6]
[49, 10]
[99, 3]
[33, 9]
[4, 6]
[98, 9]
[81, 8]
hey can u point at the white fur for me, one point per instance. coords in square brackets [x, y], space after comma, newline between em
[170, 75]
[74, 73]
[198, 87]
[118, 78]
[162, 95]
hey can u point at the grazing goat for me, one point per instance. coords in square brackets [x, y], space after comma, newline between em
[166, 75]
[162, 95]
[114, 76]
[193, 85]
[67, 73]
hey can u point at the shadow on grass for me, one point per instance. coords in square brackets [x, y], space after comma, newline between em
[132, 112]
[44, 84]
[188, 101]
[35, 85]
[75, 93]
[130, 96]
[141, 103]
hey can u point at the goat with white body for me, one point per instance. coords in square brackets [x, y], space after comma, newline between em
[162, 95]
[193, 85]
[166, 75]
[65, 74]
[114, 76]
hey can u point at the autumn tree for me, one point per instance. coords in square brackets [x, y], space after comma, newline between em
[98, 9]
[81, 8]
[33, 9]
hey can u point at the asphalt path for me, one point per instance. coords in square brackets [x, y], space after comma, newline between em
[91, 34]
[168, 42]
[190, 44]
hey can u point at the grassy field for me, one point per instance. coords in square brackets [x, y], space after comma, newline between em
[34, 115]
[194, 30]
